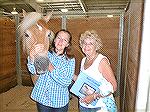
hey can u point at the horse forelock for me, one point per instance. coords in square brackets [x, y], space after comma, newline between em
[29, 20]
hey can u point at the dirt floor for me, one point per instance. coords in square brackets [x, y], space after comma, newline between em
[18, 99]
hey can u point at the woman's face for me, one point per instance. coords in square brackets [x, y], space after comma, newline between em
[89, 47]
[62, 40]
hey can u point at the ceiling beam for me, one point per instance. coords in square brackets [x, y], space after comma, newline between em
[83, 6]
[90, 13]
[54, 1]
[35, 5]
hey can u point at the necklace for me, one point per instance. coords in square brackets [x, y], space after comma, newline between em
[93, 58]
[89, 62]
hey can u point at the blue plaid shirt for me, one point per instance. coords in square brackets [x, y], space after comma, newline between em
[51, 88]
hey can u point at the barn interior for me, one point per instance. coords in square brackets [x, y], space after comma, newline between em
[118, 23]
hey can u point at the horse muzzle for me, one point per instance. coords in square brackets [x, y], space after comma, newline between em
[41, 64]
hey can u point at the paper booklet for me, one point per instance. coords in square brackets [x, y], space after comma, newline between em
[85, 85]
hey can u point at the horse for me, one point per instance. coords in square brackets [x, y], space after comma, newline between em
[34, 30]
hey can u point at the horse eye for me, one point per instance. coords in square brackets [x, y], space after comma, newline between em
[49, 35]
[26, 35]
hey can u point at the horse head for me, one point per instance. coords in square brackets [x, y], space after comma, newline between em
[34, 30]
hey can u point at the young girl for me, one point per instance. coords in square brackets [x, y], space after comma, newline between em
[51, 88]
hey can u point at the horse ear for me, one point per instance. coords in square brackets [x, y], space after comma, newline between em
[24, 12]
[48, 16]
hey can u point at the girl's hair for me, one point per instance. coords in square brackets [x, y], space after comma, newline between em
[67, 50]
[91, 35]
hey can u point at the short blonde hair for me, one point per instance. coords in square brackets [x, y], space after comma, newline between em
[91, 35]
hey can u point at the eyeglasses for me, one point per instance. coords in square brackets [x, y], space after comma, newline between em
[87, 44]
[65, 41]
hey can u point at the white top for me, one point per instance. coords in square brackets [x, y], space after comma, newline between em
[93, 72]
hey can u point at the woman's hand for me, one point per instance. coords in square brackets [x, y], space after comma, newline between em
[75, 77]
[35, 49]
[88, 99]
[51, 67]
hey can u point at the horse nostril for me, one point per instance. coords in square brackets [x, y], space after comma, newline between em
[49, 35]
[41, 64]
[26, 35]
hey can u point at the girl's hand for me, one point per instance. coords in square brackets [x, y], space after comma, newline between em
[51, 67]
[35, 50]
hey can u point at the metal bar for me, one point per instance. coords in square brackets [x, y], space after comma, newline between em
[83, 6]
[63, 24]
[18, 62]
[126, 64]
[120, 49]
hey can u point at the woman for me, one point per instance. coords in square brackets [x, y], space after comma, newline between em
[51, 88]
[98, 67]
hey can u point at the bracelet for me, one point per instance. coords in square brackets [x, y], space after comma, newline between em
[98, 97]
[106, 95]
[95, 96]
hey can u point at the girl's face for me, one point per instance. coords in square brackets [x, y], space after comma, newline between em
[89, 47]
[62, 40]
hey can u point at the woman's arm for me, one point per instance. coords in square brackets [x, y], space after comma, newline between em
[64, 74]
[32, 70]
[107, 72]
[34, 78]
[75, 77]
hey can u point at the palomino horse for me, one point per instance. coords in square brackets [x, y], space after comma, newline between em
[34, 30]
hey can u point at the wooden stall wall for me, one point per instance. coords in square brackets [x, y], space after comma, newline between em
[131, 53]
[8, 77]
[107, 28]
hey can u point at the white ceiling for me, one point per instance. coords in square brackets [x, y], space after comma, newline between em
[75, 7]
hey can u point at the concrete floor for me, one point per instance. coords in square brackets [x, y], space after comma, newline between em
[18, 99]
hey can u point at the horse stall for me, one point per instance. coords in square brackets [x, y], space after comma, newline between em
[121, 37]
[8, 54]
